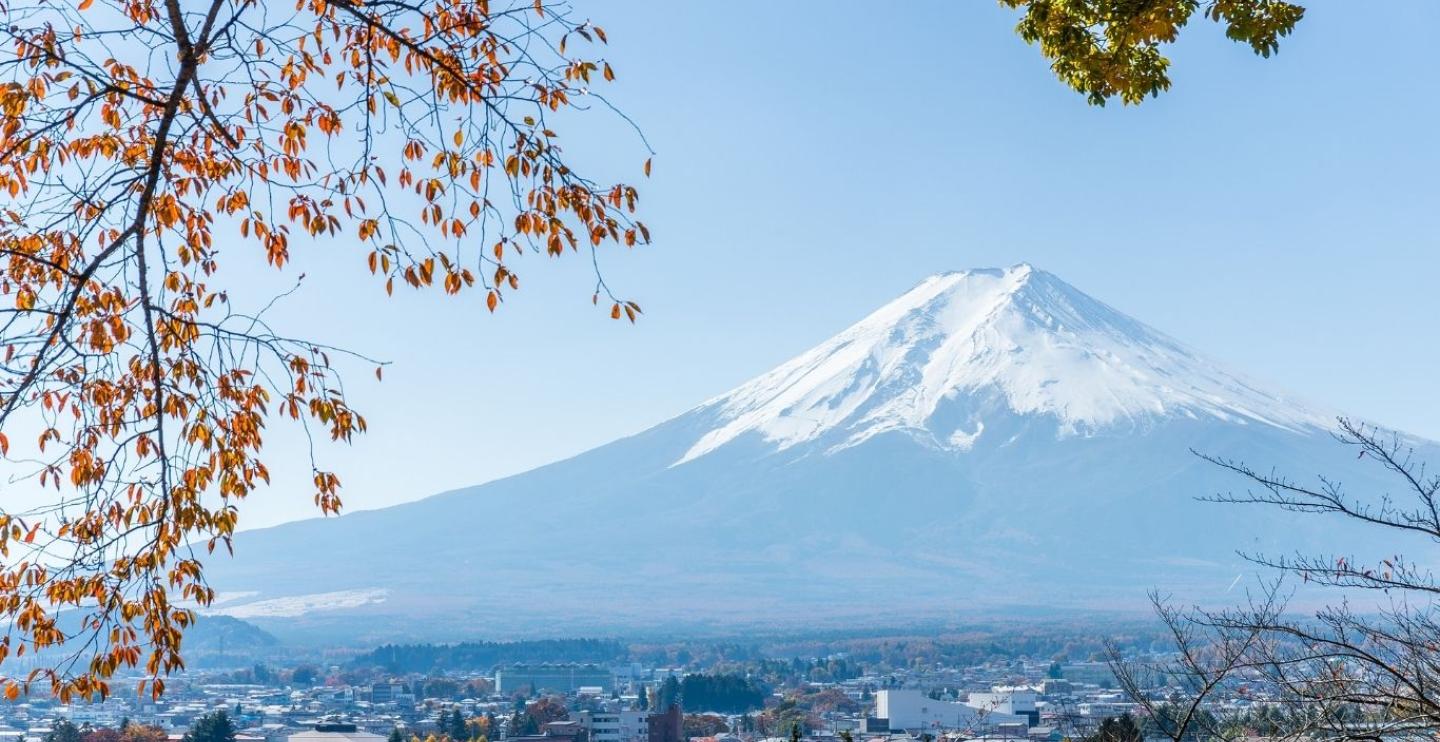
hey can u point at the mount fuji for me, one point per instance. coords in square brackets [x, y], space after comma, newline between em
[991, 439]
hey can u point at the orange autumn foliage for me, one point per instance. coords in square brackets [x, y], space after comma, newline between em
[140, 140]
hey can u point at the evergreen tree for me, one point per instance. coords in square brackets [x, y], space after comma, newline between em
[795, 732]
[457, 729]
[396, 735]
[668, 695]
[1117, 729]
[212, 727]
[726, 693]
[63, 731]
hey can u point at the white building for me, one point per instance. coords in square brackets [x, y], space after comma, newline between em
[1007, 699]
[1105, 708]
[913, 710]
[615, 726]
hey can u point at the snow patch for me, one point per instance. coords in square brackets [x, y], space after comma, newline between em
[961, 440]
[1017, 339]
[299, 605]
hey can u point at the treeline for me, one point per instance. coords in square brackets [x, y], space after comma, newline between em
[1079, 640]
[482, 656]
[796, 671]
[1075, 639]
[726, 694]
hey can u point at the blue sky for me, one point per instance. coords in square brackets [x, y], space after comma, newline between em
[816, 159]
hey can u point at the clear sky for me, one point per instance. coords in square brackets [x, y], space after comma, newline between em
[816, 159]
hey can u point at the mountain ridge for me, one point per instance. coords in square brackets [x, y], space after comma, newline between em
[842, 494]
[966, 330]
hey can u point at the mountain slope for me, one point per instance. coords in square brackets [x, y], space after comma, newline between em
[990, 438]
[1019, 338]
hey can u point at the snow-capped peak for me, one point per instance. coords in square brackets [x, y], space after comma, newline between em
[963, 346]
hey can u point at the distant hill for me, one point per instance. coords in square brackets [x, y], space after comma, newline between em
[989, 441]
[222, 641]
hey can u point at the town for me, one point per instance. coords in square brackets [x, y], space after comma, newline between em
[834, 697]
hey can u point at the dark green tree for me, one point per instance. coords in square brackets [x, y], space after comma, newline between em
[668, 694]
[456, 728]
[1117, 729]
[396, 735]
[63, 731]
[795, 732]
[212, 727]
[725, 693]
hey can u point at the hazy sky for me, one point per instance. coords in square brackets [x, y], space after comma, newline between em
[816, 159]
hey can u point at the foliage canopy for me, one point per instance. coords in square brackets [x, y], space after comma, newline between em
[1109, 48]
[146, 141]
